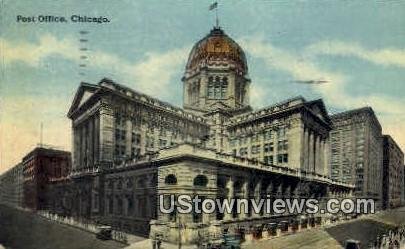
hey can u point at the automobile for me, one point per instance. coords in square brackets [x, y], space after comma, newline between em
[352, 244]
[232, 241]
[104, 233]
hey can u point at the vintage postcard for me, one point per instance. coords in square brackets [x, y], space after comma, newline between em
[214, 124]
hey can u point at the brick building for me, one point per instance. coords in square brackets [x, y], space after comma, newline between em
[41, 167]
[393, 170]
[356, 151]
[11, 186]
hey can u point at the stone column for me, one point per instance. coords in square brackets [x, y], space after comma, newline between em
[76, 147]
[317, 153]
[311, 143]
[302, 147]
[90, 136]
[322, 156]
[83, 146]
[326, 158]
[245, 189]
[306, 149]
[231, 193]
[97, 139]
[128, 138]
[257, 196]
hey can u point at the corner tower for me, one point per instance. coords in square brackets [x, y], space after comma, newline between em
[216, 75]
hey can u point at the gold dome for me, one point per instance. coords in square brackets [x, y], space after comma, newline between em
[217, 49]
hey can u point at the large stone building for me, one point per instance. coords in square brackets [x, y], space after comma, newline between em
[11, 186]
[393, 170]
[356, 151]
[43, 167]
[130, 148]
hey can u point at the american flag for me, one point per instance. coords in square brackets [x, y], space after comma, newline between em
[213, 6]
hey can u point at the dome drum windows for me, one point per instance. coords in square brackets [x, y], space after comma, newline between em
[217, 87]
[193, 92]
[171, 180]
[200, 181]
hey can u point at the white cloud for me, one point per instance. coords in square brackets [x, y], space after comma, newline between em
[297, 65]
[33, 53]
[151, 74]
[154, 74]
[20, 129]
[303, 66]
[386, 56]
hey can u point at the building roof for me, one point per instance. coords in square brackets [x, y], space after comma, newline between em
[352, 112]
[87, 91]
[217, 48]
[316, 107]
[355, 112]
[391, 140]
[46, 152]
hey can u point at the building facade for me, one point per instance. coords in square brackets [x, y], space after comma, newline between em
[41, 167]
[11, 186]
[129, 149]
[393, 170]
[356, 151]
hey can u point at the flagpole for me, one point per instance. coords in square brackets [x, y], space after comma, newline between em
[216, 17]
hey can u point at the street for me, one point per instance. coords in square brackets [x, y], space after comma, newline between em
[363, 229]
[23, 230]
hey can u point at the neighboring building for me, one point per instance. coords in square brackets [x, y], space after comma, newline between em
[43, 166]
[11, 186]
[403, 187]
[129, 148]
[356, 151]
[393, 170]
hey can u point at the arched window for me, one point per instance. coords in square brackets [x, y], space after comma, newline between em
[129, 183]
[200, 181]
[210, 90]
[141, 183]
[110, 184]
[171, 180]
[217, 88]
[110, 205]
[224, 87]
[119, 184]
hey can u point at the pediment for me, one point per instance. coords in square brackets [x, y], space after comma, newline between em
[318, 108]
[83, 93]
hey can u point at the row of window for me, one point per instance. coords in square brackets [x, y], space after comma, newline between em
[267, 135]
[199, 180]
[267, 148]
[281, 158]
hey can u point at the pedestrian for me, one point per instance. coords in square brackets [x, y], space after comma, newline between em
[159, 242]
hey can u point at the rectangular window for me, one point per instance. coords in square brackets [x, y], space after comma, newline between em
[282, 145]
[255, 149]
[268, 147]
[268, 159]
[243, 151]
[281, 132]
[268, 135]
[282, 158]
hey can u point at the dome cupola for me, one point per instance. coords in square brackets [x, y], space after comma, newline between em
[217, 50]
[216, 75]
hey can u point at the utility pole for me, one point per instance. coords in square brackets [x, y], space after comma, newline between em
[41, 135]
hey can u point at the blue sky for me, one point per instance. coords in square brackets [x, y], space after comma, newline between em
[358, 46]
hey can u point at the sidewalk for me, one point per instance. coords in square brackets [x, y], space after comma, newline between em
[147, 244]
